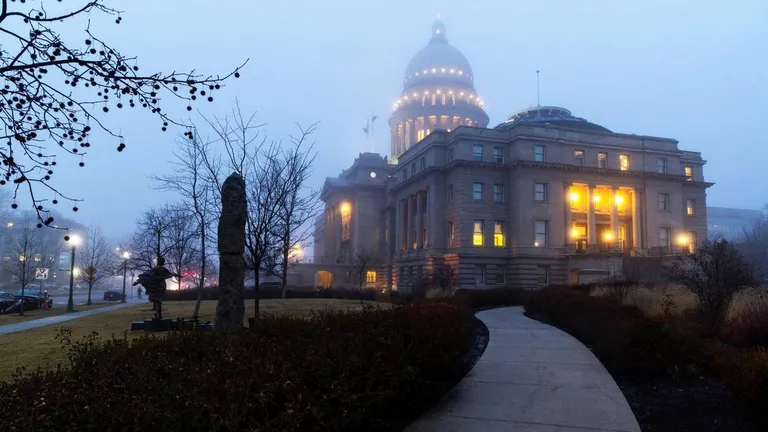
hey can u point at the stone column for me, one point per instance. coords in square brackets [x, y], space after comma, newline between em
[636, 219]
[418, 212]
[591, 234]
[404, 223]
[230, 309]
[614, 214]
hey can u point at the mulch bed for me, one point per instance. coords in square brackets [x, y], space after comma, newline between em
[702, 405]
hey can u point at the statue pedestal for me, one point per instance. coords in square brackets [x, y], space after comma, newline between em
[168, 324]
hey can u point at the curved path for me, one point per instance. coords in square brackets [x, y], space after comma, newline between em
[531, 377]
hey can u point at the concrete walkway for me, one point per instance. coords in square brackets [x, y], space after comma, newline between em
[532, 377]
[26, 325]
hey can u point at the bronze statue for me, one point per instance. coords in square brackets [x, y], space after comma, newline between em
[153, 282]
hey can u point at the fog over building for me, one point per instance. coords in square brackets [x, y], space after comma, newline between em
[543, 197]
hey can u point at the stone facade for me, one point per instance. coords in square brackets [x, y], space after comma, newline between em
[543, 198]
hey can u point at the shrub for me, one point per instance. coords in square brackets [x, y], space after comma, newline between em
[489, 298]
[715, 272]
[746, 376]
[667, 302]
[343, 371]
[749, 326]
[212, 293]
[624, 339]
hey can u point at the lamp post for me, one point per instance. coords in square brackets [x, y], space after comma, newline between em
[126, 257]
[74, 241]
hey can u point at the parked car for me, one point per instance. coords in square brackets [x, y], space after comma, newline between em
[113, 295]
[10, 303]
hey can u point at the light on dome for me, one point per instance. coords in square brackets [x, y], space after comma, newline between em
[450, 92]
[442, 70]
[426, 92]
[417, 74]
[425, 71]
[406, 97]
[461, 73]
[434, 70]
[415, 95]
[438, 92]
[471, 96]
[461, 94]
[453, 70]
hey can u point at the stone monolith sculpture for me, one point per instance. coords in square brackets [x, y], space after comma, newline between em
[230, 310]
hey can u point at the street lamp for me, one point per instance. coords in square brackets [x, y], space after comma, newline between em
[126, 257]
[74, 241]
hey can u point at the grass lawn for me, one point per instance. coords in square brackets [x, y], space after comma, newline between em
[40, 313]
[39, 346]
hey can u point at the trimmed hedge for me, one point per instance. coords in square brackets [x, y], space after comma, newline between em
[212, 293]
[344, 371]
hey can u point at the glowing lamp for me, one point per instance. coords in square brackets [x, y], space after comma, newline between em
[574, 232]
[345, 207]
[126, 255]
[536, 244]
[596, 198]
[619, 199]
[75, 240]
[683, 240]
[574, 196]
[9, 225]
[608, 236]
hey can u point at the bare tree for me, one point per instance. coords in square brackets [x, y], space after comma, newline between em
[151, 239]
[195, 178]
[96, 258]
[714, 272]
[754, 245]
[298, 206]
[362, 261]
[183, 242]
[264, 192]
[28, 250]
[48, 78]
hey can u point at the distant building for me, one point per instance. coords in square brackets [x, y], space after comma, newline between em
[545, 197]
[731, 223]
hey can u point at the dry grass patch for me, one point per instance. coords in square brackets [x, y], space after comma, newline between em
[39, 346]
[670, 300]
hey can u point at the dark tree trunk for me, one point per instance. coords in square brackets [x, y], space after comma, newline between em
[256, 293]
[21, 306]
[284, 271]
[90, 288]
[201, 281]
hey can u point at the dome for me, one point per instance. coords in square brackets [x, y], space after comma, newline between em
[544, 115]
[438, 62]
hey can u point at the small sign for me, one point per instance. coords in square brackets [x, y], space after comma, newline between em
[41, 273]
[65, 261]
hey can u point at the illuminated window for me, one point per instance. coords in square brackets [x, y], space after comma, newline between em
[451, 236]
[692, 241]
[478, 190]
[661, 165]
[498, 192]
[450, 193]
[540, 192]
[663, 201]
[578, 155]
[477, 233]
[538, 153]
[498, 154]
[690, 207]
[602, 160]
[665, 236]
[498, 233]
[477, 152]
[370, 276]
[688, 172]
[624, 162]
[420, 135]
[541, 233]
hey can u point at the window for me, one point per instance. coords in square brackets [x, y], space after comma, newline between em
[664, 201]
[450, 154]
[624, 162]
[501, 276]
[423, 162]
[602, 160]
[450, 193]
[498, 192]
[479, 274]
[541, 232]
[542, 275]
[540, 192]
[690, 207]
[451, 236]
[477, 152]
[477, 191]
[370, 276]
[688, 172]
[661, 165]
[498, 233]
[405, 173]
[538, 153]
[692, 241]
[413, 168]
[664, 237]
[578, 155]
[498, 154]
[477, 233]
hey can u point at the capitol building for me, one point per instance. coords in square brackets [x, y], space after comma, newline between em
[543, 197]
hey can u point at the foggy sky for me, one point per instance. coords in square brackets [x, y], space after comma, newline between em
[695, 71]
